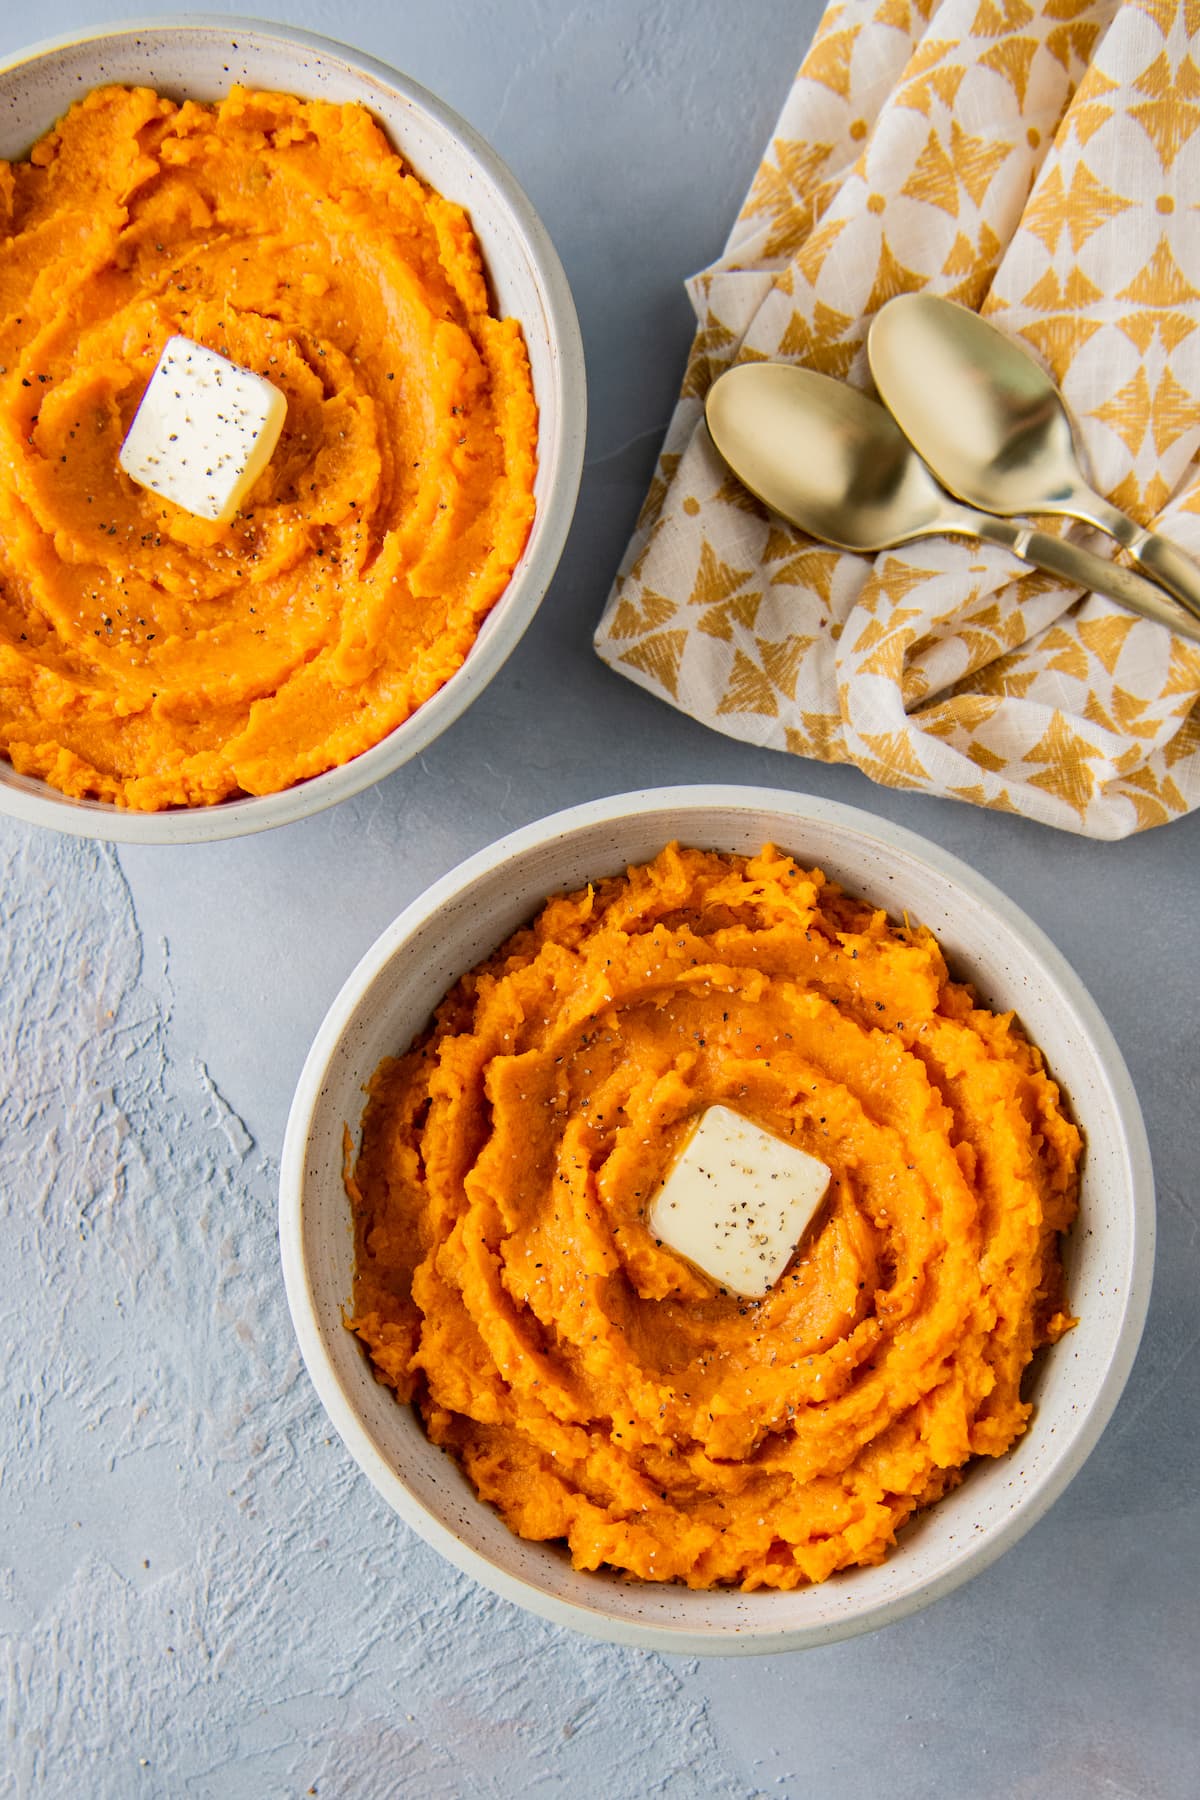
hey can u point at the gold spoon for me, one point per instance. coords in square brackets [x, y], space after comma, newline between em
[835, 463]
[993, 427]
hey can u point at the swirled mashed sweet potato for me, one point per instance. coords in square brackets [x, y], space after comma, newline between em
[151, 658]
[596, 1387]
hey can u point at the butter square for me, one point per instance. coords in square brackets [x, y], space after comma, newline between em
[204, 432]
[737, 1201]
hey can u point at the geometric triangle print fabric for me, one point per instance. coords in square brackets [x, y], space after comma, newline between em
[1041, 164]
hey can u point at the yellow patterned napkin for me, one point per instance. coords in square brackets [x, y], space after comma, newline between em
[1040, 163]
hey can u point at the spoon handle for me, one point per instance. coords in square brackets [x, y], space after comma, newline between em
[1082, 568]
[1162, 560]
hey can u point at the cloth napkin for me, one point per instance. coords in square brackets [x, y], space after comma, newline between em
[1040, 163]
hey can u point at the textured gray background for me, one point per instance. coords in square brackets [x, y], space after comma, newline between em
[198, 1593]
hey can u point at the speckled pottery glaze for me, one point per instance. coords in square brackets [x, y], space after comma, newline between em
[988, 941]
[201, 57]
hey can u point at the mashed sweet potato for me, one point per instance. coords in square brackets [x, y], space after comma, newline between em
[597, 1388]
[148, 657]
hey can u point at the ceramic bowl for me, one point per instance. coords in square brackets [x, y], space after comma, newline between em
[390, 997]
[202, 57]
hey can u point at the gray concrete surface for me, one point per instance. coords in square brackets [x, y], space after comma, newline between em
[199, 1595]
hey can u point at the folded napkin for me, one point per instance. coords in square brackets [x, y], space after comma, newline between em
[1041, 164]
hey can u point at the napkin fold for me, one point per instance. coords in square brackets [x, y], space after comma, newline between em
[1040, 163]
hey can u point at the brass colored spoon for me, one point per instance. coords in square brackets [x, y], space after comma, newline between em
[836, 463]
[992, 426]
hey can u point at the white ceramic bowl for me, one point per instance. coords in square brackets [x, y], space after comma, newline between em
[1109, 1257]
[201, 57]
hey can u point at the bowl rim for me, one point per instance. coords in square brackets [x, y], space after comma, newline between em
[685, 801]
[37, 803]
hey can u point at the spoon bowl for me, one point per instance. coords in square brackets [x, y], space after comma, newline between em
[823, 455]
[982, 415]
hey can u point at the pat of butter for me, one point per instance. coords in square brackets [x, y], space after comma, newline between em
[204, 432]
[736, 1202]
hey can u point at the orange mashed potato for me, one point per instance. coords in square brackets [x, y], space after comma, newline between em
[594, 1386]
[153, 659]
